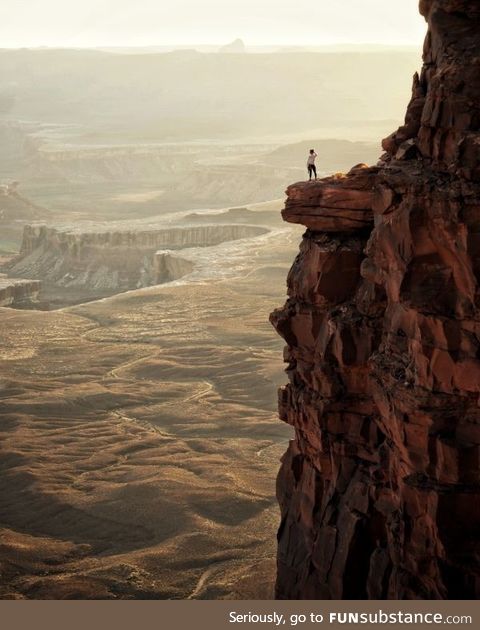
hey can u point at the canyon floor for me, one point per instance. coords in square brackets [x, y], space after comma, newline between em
[140, 440]
[139, 437]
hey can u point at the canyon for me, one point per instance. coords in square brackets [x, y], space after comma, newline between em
[139, 441]
[140, 254]
[138, 438]
[379, 490]
[89, 260]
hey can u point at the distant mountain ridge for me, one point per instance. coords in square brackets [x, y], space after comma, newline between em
[189, 95]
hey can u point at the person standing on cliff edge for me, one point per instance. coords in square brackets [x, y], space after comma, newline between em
[312, 169]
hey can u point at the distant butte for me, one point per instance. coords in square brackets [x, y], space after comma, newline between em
[379, 490]
[237, 46]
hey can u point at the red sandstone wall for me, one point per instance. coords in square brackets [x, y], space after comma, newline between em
[379, 491]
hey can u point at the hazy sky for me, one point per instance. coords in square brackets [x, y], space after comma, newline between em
[167, 22]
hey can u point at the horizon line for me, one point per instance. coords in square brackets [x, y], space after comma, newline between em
[219, 45]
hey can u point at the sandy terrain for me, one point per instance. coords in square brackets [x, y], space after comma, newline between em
[139, 438]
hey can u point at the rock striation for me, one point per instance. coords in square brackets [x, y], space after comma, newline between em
[379, 490]
[335, 204]
[169, 267]
[18, 292]
[105, 258]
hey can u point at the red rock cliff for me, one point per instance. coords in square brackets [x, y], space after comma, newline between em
[379, 490]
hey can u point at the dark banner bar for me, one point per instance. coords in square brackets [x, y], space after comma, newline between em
[234, 615]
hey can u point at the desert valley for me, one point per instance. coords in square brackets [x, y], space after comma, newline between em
[142, 249]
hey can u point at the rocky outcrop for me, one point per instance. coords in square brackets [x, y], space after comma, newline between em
[102, 258]
[379, 490]
[169, 267]
[338, 204]
[15, 292]
[14, 206]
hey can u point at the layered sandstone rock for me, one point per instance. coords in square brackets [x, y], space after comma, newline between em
[168, 267]
[18, 292]
[379, 490]
[336, 204]
[115, 258]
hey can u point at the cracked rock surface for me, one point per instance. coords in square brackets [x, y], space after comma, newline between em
[379, 490]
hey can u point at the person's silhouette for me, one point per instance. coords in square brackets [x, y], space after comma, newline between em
[312, 169]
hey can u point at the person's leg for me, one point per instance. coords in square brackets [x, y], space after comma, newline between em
[314, 169]
[309, 171]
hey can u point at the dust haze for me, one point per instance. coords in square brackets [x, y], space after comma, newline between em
[141, 250]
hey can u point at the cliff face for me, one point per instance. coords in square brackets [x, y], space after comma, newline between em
[15, 292]
[379, 490]
[169, 267]
[102, 258]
